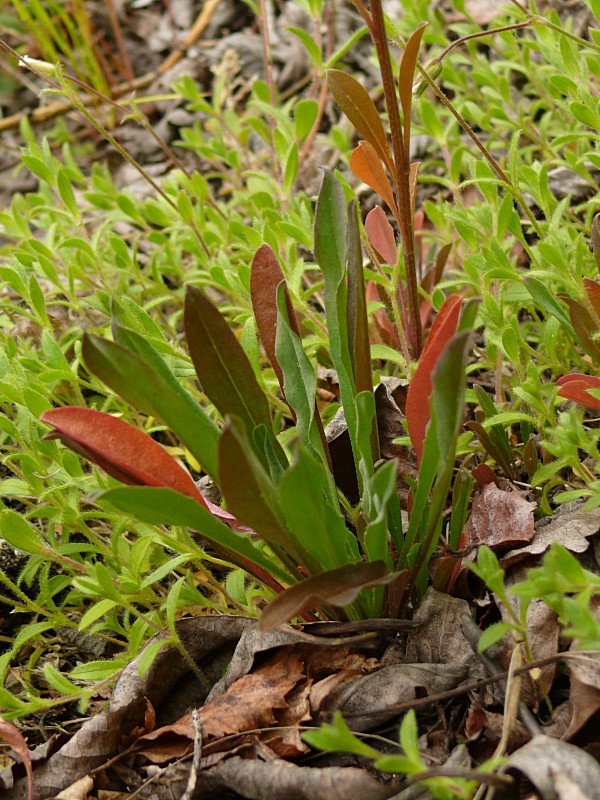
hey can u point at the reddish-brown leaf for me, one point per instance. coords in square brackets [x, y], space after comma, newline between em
[356, 104]
[337, 587]
[253, 701]
[126, 453]
[366, 164]
[593, 292]
[500, 519]
[12, 736]
[381, 235]
[265, 277]
[575, 387]
[585, 326]
[417, 402]
[484, 474]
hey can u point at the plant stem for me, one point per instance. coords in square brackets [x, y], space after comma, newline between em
[401, 175]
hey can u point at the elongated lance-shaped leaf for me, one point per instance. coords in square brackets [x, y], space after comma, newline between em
[366, 165]
[252, 497]
[125, 452]
[224, 371]
[300, 385]
[447, 402]
[159, 506]
[356, 104]
[544, 298]
[585, 326]
[339, 588]
[405, 82]
[265, 276]
[331, 255]
[419, 391]
[139, 375]
[312, 516]
[376, 539]
[358, 322]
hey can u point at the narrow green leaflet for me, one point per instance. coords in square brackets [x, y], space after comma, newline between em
[331, 254]
[546, 300]
[300, 381]
[316, 524]
[144, 380]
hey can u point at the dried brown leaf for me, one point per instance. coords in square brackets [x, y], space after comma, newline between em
[572, 529]
[500, 519]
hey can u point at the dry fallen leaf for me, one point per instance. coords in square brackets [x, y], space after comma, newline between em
[572, 529]
[500, 519]
[543, 759]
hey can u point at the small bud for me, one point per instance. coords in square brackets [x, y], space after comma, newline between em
[433, 69]
[596, 239]
[45, 67]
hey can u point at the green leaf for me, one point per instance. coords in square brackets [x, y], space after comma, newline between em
[143, 379]
[338, 738]
[330, 251]
[492, 635]
[19, 534]
[223, 369]
[308, 41]
[305, 114]
[65, 191]
[547, 301]
[160, 506]
[95, 612]
[316, 524]
[58, 681]
[96, 670]
[408, 739]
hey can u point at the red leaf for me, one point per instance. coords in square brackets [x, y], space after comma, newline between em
[590, 380]
[419, 391]
[265, 277]
[574, 387]
[484, 474]
[126, 453]
[381, 235]
[15, 740]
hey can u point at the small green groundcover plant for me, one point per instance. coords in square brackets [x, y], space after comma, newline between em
[122, 561]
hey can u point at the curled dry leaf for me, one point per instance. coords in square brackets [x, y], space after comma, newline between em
[544, 761]
[571, 528]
